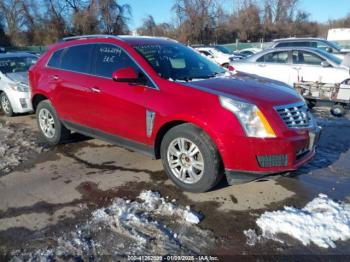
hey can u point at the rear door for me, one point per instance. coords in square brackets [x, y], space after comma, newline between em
[73, 82]
[311, 69]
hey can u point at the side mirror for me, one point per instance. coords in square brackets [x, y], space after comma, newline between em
[126, 74]
[325, 64]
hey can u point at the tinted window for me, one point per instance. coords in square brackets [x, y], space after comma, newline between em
[275, 57]
[55, 60]
[110, 58]
[77, 58]
[306, 58]
[295, 44]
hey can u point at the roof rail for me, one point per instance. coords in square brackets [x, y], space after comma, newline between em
[81, 37]
[146, 36]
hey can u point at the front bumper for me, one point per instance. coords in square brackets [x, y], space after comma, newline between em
[272, 156]
[20, 101]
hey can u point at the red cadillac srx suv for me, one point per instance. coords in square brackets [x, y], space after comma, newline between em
[162, 98]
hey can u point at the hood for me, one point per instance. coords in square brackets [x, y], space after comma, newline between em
[249, 88]
[19, 77]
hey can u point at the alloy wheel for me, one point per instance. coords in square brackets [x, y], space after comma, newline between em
[185, 160]
[5, 104]
[47, 123]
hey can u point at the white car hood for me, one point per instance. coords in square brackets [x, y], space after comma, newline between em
[18, 77]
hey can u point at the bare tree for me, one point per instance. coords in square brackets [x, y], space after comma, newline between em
[114, 17]
[196, 19]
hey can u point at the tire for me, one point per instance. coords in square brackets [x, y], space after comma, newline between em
[6, 105]
[205, 176]
[47, 120]
[338, 110]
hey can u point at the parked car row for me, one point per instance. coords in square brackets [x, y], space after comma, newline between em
[305, 62]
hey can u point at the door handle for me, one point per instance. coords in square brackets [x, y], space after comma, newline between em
[55, 77]
[296, 67]
[262, 65]
[95, 89]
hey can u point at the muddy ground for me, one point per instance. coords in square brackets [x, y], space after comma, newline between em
[48, 195]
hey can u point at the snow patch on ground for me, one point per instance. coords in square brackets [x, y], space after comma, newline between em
[321, 222]
[149, 225]
[17, 144]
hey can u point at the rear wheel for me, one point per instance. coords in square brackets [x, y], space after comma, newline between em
[49, 124]
[6, 105]
[190, 158]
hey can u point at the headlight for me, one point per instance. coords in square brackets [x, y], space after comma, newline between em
[251, 118]
[19, 87]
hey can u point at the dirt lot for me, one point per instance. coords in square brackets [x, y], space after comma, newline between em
[89, 200]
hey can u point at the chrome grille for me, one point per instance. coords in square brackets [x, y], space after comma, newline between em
[295, 115]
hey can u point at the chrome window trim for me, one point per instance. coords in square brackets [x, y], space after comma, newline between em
[90, 74]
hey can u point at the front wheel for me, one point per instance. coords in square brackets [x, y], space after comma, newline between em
[6, 105]
[190, 158]
[49, 124]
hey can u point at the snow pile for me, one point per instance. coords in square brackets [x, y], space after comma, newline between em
[150, 225]
[133, 218]
[17, 144]
[153, 201]
[321, 222]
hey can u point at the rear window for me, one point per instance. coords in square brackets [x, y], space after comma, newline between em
[77, 58]
[55, 60]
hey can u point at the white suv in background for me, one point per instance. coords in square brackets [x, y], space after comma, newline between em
[14, 89]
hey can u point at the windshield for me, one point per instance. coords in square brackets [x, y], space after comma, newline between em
[223, 49]
[16, 64]
[330, 57]
[176, 62]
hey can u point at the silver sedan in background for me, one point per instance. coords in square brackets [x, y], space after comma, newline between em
[295, 64]
[14, 88]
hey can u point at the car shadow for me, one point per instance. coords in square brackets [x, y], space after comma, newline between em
[76, 138]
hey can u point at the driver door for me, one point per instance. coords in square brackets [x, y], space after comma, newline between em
[119, 107]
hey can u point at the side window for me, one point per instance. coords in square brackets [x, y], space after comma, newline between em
[275, 57]
[110, 58]
[322, 45]
[55, 60]
[77, 58]
[306, 58]
[283, 44]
